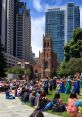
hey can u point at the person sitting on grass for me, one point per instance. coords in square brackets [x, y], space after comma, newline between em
[79, 105]
[71, 108]
[57, 103]
[32, 97]
[8, 96]
[42, 101]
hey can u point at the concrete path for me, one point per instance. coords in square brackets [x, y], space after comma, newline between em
[14, 108]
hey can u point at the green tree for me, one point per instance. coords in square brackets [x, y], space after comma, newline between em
[27, 72]
[19, 71]
[74, 47]
[16, 70]
[62, 69]
[74, 65]
[2, 61]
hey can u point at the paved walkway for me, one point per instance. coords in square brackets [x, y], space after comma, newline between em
[14, 108]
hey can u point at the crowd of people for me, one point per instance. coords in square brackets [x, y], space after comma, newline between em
[35, 92]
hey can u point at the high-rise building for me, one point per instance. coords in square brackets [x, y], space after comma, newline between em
[55, 28]
[10, 26]
[72, 18]
[3, 22]
[0, 17]
[60, 24]
[9, 35]
[23, 32]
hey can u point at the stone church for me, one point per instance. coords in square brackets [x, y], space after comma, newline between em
[47, 62]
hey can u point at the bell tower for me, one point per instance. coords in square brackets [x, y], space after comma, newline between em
[46, 57]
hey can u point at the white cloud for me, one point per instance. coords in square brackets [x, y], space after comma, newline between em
[38, 25]
[81, 16]
[37, 5]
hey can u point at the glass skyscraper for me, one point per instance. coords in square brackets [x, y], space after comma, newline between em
[72, 18]
[55, 28]
[60, 24]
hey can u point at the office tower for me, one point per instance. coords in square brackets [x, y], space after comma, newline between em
[0, 17]
[72, 18]
[10, 26]
[55, 28]
[7, 30]
[3, 12]
[60, 24]
[23, 32]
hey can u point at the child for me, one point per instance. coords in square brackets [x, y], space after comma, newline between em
[71, 108]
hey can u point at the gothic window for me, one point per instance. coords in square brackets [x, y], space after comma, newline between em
[46, 64]
[48, 44]
[36, 71]
[44, 44]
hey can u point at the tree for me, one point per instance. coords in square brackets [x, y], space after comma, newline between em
[19, 71]
[74, 47]
[27, 72]
[62, 71]
[16, 70]
[2, 61]
[71, 67]
[74, 65]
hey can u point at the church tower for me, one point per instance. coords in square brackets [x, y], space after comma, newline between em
[47, 57]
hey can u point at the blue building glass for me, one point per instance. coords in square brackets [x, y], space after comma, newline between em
[60, 24]
[55, 28]
[73, 20]
[20, 11]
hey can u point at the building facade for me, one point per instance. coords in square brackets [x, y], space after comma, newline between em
[23, 32]
[3, 24]
[10, 26]
[55, 28]
[72, 18]
[15, 29]
[0, 17]
[47, 63]
[60, 24]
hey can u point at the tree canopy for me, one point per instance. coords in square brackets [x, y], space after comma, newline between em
[19, 71]
[74, 47]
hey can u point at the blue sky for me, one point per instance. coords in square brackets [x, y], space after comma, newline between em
[38, 8]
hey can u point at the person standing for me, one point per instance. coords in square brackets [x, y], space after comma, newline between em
[45, 85]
